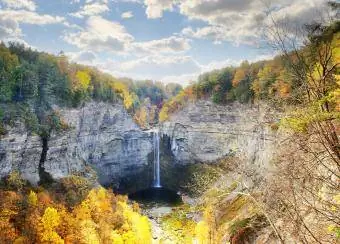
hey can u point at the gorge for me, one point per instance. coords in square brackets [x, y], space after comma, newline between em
[247, 153]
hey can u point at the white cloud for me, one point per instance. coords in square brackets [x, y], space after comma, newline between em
[83, 57]
[101, 35]
[155, 8]
[28, 17]
[166, 68]
[127, 15]
[159, 65]
[155, 67]
[20, 4]
[235, 20]
[171, 44]
[21, 41]
[91, 9]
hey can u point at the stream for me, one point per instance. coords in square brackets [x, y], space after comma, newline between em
[155, 203]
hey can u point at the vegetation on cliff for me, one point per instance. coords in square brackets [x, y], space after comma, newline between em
[33, 84]
[291, 78]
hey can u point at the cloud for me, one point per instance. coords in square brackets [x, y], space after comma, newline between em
[9, 28]
[234, 20]
[127, 15]
[158, 65]
[83, 57]
[101, 35]
[166, 68]
[154, 67]
[28, 17]
[171, 44]
[91, 9]
[155, 8]
[20, 4]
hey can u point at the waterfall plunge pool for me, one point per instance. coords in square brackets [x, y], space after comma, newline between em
[156, 196]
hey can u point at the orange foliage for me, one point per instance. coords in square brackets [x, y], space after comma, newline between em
[101, 217]
[177, 103]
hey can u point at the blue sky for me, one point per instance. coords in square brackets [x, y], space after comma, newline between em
[167, 40]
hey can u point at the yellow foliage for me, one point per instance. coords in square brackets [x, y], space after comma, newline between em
[82, 80]
[139, 225]
[336, 49]
[240, 74]
[141, 117]
[101, 217]
[89, 234]
[52, 237]
[32, 199]
[50, 219]
[176, 103]
[116, 238]
[129, 238]
[123, 90]
[15, 180]
[202, 232]
[164, 114]
[49, 222]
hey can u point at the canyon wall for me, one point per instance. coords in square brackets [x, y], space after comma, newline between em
[104, 137]
[206, 132]
[100, 135]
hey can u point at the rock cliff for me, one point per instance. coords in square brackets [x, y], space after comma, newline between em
[244, 139]
[106, 138]
[101, 135]
[206, 132]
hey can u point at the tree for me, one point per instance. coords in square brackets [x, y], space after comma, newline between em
[49, 221]
[32, 199]
[8, 62]
[265, 78]
[241, 73]
[83, 80]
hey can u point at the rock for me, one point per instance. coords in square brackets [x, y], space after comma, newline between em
[102, 136]
[206, 132]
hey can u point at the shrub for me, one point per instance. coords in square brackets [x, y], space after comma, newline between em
[76, 188]
[15, 181]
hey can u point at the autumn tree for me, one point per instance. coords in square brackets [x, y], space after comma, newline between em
[241, 73]
[49, 221]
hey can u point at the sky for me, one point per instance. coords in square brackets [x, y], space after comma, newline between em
[163, 40]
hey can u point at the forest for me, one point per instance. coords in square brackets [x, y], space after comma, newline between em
[33, 82]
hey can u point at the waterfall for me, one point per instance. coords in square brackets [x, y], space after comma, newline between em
[156, 173]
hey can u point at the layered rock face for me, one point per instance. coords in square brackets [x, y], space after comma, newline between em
[206, 132]
[101, 135]
[105, 137]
